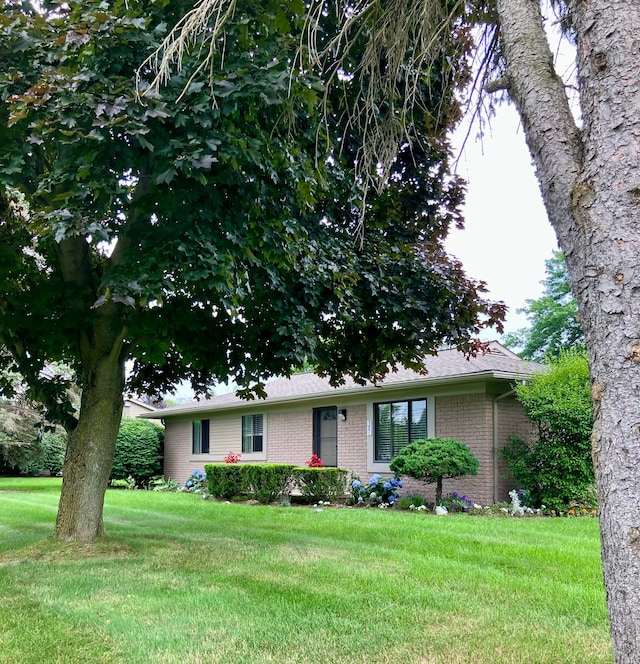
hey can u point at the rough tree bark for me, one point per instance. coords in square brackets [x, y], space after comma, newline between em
[590, 182]
[90, 451]
[92, 440]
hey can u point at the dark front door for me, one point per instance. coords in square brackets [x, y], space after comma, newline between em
[325, 435]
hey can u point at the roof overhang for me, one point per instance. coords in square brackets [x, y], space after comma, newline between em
[342, 392]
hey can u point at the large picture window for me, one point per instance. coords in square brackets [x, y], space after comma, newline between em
[398, 423]
[252, 433]
[200, 437]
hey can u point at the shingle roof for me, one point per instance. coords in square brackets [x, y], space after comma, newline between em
[449, 365]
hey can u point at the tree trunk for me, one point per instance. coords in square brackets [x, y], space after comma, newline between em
[590, 182]
[91, 447]
[438, 490]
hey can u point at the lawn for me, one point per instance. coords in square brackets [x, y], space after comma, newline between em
[184, 580]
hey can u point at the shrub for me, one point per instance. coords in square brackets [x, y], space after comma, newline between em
[435, 459]
[454, 502]
[226, 480]
[21, 458]
[195, 483]
[54, 446]
[378, 490]
[138, 451]
[317, 483]
[269, 481]
[410, 502]
[169, 485]
[556, 469]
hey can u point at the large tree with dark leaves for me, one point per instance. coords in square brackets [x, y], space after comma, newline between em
[202, 239]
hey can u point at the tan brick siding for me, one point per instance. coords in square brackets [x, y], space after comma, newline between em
[290, 437]
[468, 418]
[352, 441]
[511, 422]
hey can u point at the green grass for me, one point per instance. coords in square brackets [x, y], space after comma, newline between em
[184, 580]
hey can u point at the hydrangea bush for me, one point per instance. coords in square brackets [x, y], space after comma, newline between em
[195, 483]
[378, 491]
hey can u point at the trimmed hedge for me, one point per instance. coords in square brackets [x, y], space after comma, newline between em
[266, 482]
[321, 483]
[225, 480]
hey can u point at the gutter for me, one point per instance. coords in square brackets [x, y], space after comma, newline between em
[496, 451]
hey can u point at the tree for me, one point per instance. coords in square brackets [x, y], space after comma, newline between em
[199, 239]
[557, 468]
[433, 460]
[588, 179]
[554, 325]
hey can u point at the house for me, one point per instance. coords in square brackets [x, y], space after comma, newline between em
[362, 427]
[134, 407]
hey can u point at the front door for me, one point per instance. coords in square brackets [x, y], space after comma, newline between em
[325, 435]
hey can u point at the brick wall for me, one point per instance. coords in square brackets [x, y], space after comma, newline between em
[468, 418]
[352, 441]
[511, 422]
[290, 436]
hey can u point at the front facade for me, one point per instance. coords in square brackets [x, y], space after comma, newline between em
[361, 428]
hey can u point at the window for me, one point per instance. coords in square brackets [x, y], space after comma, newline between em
[398, 423]
[200, 437]
[252, 429]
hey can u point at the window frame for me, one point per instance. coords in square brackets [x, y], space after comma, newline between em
[200, 437]
[374, 466]
[394, 451]
[257, 437]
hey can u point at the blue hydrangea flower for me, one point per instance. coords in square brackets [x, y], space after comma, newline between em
[356, 484]
[188, 483]
[387, 485]
[391, 500]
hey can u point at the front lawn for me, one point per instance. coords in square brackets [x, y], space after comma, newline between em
[184, 580]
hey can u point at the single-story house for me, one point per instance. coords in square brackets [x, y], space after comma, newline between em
[133, 407]
[362, 427]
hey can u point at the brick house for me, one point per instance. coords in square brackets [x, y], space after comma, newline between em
[361, 427]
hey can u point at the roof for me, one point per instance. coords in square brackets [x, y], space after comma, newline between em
[129, 399]
[448, 366]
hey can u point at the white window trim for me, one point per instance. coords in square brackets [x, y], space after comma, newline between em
[376, 466]
[255, 456]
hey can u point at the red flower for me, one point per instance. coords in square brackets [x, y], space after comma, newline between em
[314, 462]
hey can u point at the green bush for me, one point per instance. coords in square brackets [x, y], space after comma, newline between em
[321, 483]
[138, 451]
[410, 502]
[268, 481]
[435, 459]
[226, 480]
[54, 446]
[21, 458]
[556, 469]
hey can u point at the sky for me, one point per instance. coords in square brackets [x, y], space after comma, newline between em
[507, 235]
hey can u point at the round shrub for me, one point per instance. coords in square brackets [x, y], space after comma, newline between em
[435, 459]
[138, 451]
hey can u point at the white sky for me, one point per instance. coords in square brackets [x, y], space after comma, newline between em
[507, 236]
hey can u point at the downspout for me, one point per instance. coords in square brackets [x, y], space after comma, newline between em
[496, 451]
